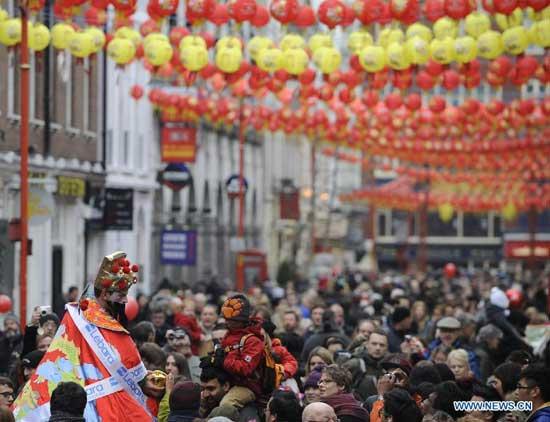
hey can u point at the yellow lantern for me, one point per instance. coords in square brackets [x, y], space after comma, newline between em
[121, 50]
[419, 30]
[81, 45]
[373, 58]
[39, 38]
[539, 33]
[3, 15]
[158, 52]
[327, 59]
[319, 40]
[154, 36]
[61, 35]
[129, 34]
[443, 50]
[388, 36]
[270, 59]
[509, 212]
[292, 41]
[98, 37]
[445, 27]
[489, 45]
[256, 44]
[544, 14]
[477, 23]
[228, 59]
[509, 21]
[398, 59]
[295, 61]
[189, 40]
[10, 32]
[515, 40]
[418, 50]
[445, 212]
[358, 40]
[465, 49]
[194, 57]
[229, 42]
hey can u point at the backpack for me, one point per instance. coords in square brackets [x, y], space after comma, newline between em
[269, 371]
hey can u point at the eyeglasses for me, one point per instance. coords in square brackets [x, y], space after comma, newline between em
[324, 381]
[7, 394]
[175, 337]
[524, 387]
[397, 375]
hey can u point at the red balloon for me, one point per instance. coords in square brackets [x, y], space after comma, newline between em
[5, 304]
[515, 297]
[450, 270]
[131, 309]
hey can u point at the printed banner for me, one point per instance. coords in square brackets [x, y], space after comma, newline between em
[178, 142]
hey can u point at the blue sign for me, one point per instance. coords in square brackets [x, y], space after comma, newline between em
[176, 176]
[233, 185]
[178, 247]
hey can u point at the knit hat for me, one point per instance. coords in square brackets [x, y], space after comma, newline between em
[269, 327]
[11, 317]
[186, 395]
[32, 359]
[225, 411]
[499, 298]
[236, 308]
[399, 314]
[396, 360]
[313, 378]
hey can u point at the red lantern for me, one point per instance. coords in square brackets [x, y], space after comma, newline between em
[131, 309]
[393, 101]
[349, 15]
[526, 107]
[165, 8]
[242, 10]
[369, 11]
[402, 9]
[370, 98]
[413, 102]
[200, 9]
[261, 18]
[331, 13]
[488, 6]
[458, 9]
[537, 5]
[500, 66]
[434, 68]
[208, 38]
[176, 35]
[450, 270]
[527, 66]
[451, 80]
[136, 92]
[437, 104]
[434, 9]
[470, 106]
[505, 6]
[285, 11]
[148, 27]
[100, 4]
[305, 18]
[424, 80]
[307, 77]
[220, 15]
[5, 304]
[495, 107]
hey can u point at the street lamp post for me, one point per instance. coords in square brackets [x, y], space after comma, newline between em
[24, 165]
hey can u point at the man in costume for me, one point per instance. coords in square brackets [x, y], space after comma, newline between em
[93, 348]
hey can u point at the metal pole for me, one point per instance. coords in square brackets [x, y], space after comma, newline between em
[241, 173]
[24, 146]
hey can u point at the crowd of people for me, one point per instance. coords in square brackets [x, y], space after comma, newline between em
[373, 348]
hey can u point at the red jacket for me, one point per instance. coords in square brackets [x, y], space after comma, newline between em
[285, 358]
[191, 326]
[242, 363]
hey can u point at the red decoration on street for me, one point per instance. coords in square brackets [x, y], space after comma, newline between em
[5, 304]
[242, 10]
[261, 18]
[515, 297]
[136, 92]
[131, 309]
[285, 11]
[450, 270]
[305, 18]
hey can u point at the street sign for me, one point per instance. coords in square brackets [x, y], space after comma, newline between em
[232, 186]
[119, 209]
[178, 247]
[176, 176]
[179, 142]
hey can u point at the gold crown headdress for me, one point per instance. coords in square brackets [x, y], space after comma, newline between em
[116, 273]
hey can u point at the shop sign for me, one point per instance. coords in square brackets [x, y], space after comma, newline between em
[178, 247]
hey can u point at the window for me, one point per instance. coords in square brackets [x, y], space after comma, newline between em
[15, 84]
[125, 148]
[90, 97]
[109, 153]
[497, 226]
[400, 225]
[38, 75]
[139, 153]
[57, 87]
[437, 227]
[475, 225]
[76, 95]
[381, 223]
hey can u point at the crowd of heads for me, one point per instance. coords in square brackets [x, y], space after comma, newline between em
[381, 348]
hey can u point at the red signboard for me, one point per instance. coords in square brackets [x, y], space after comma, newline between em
[178, 142]
[527, 250]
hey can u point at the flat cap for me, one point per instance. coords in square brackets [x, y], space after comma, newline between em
[450, 323]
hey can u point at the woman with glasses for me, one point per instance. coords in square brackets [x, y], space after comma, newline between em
[335, 389]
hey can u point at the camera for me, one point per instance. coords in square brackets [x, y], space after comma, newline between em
[45, 310]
